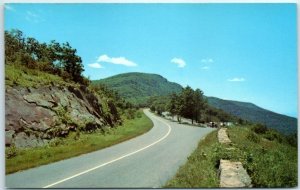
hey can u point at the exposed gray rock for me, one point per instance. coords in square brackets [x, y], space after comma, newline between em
[9, 137]
[42, 100]
[23, 140]
[35, 115]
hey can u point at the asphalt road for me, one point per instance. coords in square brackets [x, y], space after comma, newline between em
[145, 161]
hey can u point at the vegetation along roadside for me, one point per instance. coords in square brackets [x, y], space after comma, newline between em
[63, 114]
[269, 157]
[75, 144]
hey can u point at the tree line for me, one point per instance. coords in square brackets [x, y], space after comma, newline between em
[62, 60]
[54, 57]
[189, 103]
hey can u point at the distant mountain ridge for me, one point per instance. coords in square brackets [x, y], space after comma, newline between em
[139, 87]
[254, 113]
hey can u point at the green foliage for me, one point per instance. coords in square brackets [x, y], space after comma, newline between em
[56, 142]
[54, 58]
[173, 105]
[110, 95]
[25, 77]
[271, 164]
[292, 139]
[62, 113]
[201, 169]
[259, 129]
[158, 104]
[77, 135]
[269, 134]
[137, 88]
[11, 152]
[160, 95]
[152, 108]
[253, 137]
[130, 113]
[138, 114]
[273, 135]
[187, 105]
[190, 104]
[216, 115]
[113, 104]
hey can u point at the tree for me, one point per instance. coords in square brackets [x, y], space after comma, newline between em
[53, 58]
[14, 46]
[152, 108]
[113, 110]
[187, 109]
[172, 105]
[71, 63]
[199, 104]
[32, 47]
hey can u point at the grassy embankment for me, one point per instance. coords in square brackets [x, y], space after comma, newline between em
[269, 158]
[75, 145]
[24, 77]
[77, 142]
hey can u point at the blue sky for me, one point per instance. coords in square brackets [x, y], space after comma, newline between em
[244, 52]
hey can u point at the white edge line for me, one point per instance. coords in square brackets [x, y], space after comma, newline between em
[104, 164]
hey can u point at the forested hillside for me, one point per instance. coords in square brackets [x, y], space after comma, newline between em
[251, 112]
[137, 88]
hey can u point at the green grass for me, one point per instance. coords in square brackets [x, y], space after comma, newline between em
[201, 168]
[24, 77]
[268, 158]
[270, 163]
[76, 144]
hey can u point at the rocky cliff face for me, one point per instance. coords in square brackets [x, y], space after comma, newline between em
[36, 115]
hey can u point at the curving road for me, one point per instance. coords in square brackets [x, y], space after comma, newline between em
[145, 161]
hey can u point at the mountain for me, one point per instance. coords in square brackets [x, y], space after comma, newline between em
[137, 88]
[253, 113]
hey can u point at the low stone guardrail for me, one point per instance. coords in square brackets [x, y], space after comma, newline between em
[232, 174]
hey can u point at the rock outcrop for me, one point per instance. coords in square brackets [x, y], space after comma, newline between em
[223, 137]
[36, 115]
[233, 175]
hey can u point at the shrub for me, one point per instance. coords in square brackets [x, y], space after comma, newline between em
[259, 129]
[253, 137]
[292, 140]
[55, 142]
[152, 108]
[11, 151]
[130, 113]
[138, 114]
[273, 135]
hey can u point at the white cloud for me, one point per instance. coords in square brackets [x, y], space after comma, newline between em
[103, 58]
[180, 62]
[208, 60]
[29, 13]
[205, 68]
[95, 65]
[116, 60]
[32, 17]
[236, 79]
[9, 8]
